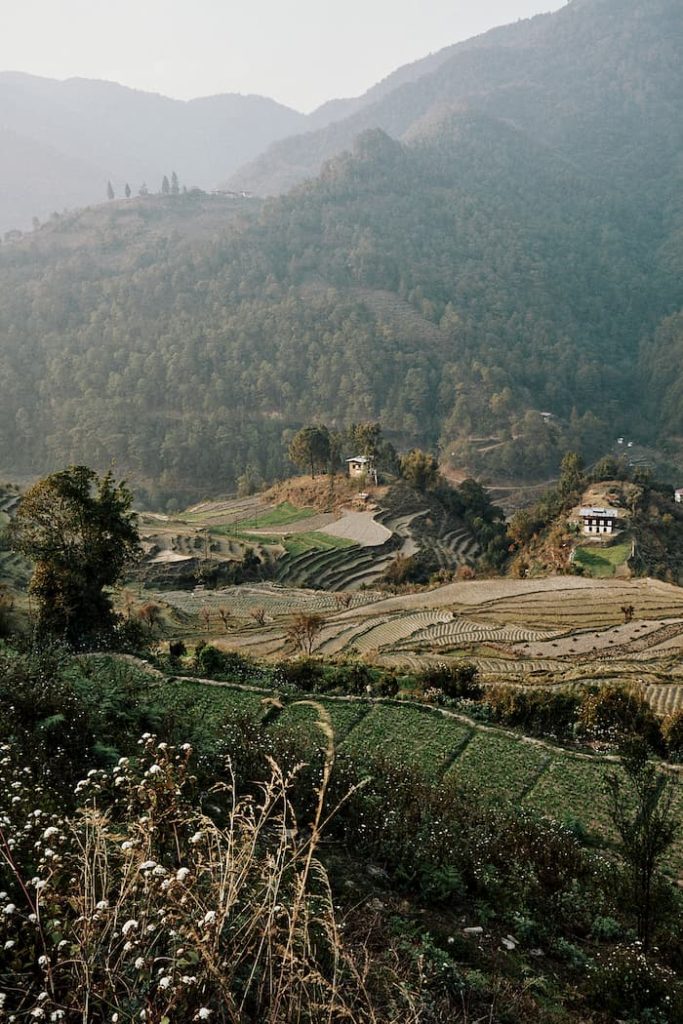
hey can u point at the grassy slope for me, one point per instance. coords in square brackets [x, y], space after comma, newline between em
[500, 765]
[603, 562]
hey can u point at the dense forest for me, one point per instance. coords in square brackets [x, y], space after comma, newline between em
[453, 286]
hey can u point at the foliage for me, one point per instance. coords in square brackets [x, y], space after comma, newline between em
[641, 809]
[145, 908]
[419, 470]
[81, 533]
[537, 712]
[455, 681]
[613, 712]
[310, 448]
[627, 981]
[672, 730]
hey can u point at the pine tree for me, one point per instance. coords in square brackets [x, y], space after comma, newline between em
[165, 186]
[175, 184]
[127, 190]
[110, 190]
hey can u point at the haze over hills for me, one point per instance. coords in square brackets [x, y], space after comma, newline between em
[452, 284]
[594, 80]
[62, 141]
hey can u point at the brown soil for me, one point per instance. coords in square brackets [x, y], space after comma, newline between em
[326, 493]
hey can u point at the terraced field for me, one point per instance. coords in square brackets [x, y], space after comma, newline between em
[499, 765]
[531, 632]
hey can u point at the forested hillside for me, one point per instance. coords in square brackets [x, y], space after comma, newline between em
[452, 286]
[599, 80]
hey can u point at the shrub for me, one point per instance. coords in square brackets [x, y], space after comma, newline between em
[625, 981]
[613, 713]
[672, 730]
[177, 650]
[171, 916]
[219, 664]
[538, 712]
[605, 929]
[301, 674]
[454, 681]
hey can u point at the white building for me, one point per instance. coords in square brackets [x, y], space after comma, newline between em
[362, 466]
[678, 494]
[599, 520]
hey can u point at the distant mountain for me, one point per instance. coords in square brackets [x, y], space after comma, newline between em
[62, 141]
[600, 80]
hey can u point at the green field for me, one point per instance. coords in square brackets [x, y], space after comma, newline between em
[603, 562]
[298, 543]
[281, 515]
[500, 766]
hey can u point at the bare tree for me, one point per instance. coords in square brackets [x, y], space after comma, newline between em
[258, 614]
[305, 627]
[150, 614]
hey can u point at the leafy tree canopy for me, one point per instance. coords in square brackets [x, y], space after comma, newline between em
[80, 531]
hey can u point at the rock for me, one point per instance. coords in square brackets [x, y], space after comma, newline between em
[375, 905]
[536, 952]
[376, 872]
[475, 931]
[509, 944]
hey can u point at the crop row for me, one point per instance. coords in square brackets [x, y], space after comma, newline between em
[395, 630]
[665, 698]
[276, 601]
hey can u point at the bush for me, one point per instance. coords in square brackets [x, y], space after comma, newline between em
[455, 681]
[176, 650]
[538, 712]
[304, 673]
[605, 929]
[672, 730]
[218, 664]
[613, 713]
[625, 981]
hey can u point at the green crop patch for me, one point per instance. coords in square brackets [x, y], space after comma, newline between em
[298, 543]
[281, 515]
[209, 705]
[602, 562]
[344, 716]
[573, 789]
[408, 735]
[499, 766]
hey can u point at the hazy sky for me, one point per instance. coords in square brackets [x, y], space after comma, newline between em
[300, 52]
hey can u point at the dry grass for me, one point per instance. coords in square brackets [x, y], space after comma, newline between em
[145, 908]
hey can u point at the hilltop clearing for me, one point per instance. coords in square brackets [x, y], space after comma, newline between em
[350, 545]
